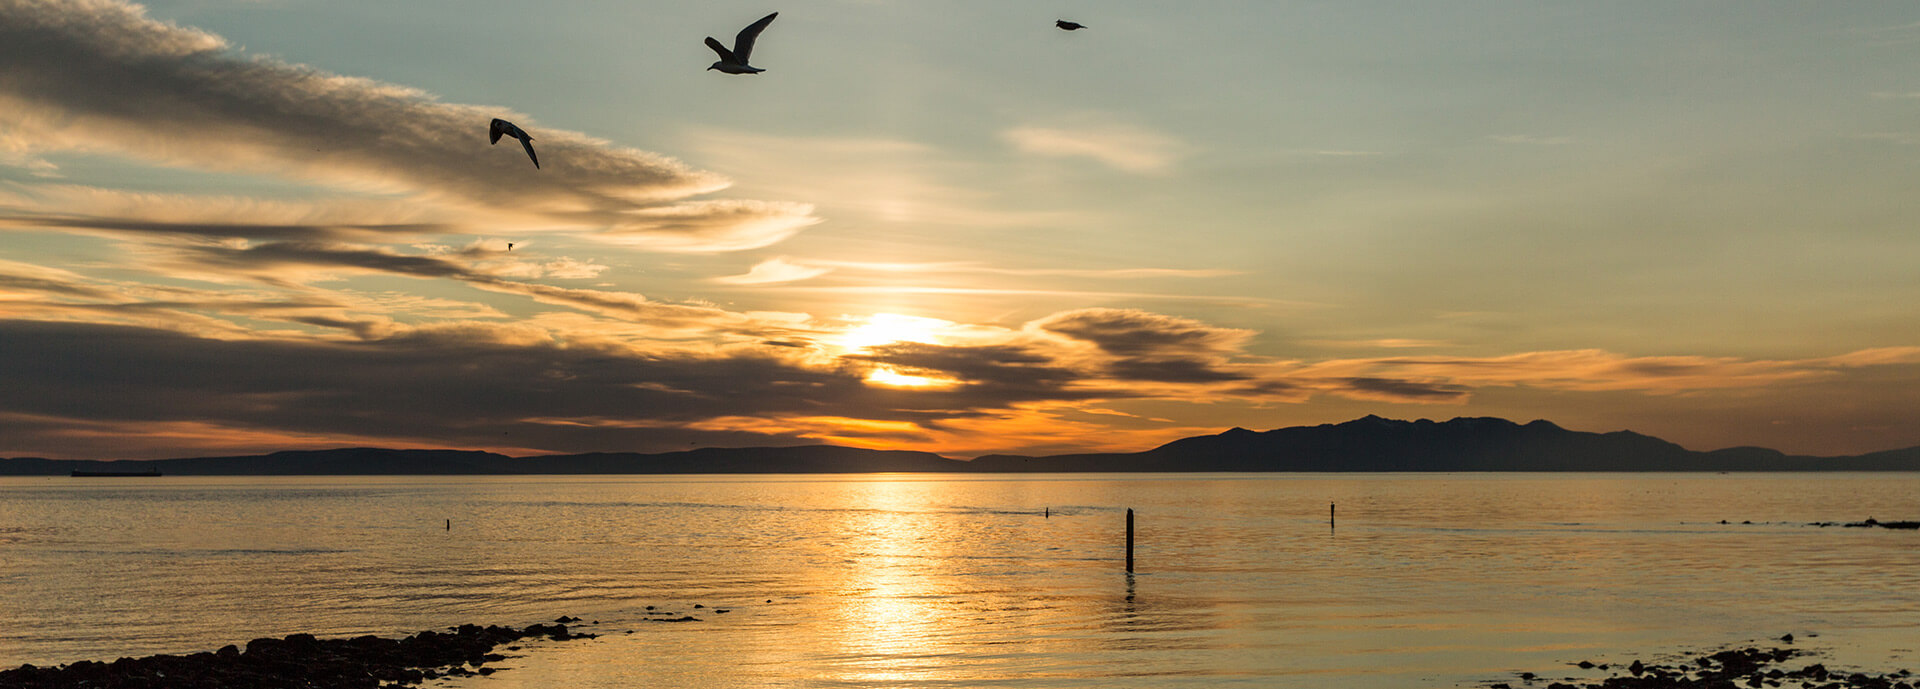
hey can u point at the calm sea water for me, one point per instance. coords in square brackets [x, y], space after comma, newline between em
[960, 581]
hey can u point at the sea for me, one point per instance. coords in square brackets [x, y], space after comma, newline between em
[971, 580]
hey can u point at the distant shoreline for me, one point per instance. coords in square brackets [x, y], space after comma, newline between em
[1369, 444]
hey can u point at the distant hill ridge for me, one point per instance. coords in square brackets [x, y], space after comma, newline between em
[1371, 444]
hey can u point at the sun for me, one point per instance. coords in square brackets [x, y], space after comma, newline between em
[889, 328]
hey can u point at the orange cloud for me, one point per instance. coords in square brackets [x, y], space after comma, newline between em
[184, 98]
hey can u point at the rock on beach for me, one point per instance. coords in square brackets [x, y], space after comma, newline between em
[299, 661]
[1758, 668]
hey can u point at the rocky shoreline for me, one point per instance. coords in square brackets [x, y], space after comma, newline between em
[301, 661]
[1871, 523]
[1743, 668]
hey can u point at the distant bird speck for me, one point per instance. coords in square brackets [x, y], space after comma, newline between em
[1070, 26]
[501, 126]
[735, 61]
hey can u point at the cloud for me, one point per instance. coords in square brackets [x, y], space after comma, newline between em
[1532, 139]
[270, 260]
[217, 216]
[1007, 372]
[99, 76]
[1382, 343]
[1146, 346]
[1123, 147]
[461, 386]
[709, 226]
[17, 279]
[976, 268]
[864, 179]
[623, 372]
[283, 263]
[1389, 390]
[788, 269]
[1590, 370]
[1131, 332]
[772, 271]
[1879, 356]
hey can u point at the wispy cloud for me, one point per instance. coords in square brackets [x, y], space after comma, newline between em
[789, 269]
[866, 179]
[1341, 153]
[1582, 370]
[772, 271]
[1124, 147]
[1532, 139]
[1382, 343]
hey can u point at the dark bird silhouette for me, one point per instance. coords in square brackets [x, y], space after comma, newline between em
[1070, 26]
[510, 244]
[735, 61]
[501, 126]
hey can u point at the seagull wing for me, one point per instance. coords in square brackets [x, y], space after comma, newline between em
[494, 130]
[527, 143]
[743, 43]
[725, 55]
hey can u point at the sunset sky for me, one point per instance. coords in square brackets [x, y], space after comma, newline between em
[234, 226]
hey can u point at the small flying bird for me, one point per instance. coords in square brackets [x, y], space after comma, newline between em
[1069, 26]
[735, 61]
[501, 126]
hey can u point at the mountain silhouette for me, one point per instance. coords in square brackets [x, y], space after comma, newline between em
[1373, 443]
[1369, 444]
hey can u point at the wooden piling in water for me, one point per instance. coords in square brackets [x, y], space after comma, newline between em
[1129, 540]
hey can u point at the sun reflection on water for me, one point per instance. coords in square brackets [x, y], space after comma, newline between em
[887, 602]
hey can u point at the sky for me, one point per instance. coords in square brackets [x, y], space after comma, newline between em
[237, 226]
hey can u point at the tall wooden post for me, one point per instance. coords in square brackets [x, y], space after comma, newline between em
[1129, 540]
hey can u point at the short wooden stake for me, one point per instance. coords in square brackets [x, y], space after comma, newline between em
[1129, 540]
[449, 524]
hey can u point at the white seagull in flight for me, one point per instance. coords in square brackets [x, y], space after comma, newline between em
[501, 126]
[735, 61]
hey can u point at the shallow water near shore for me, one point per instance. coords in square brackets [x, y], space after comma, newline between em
[959, 580]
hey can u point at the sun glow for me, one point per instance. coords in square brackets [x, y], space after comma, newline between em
[892, 377]
[890, 328]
